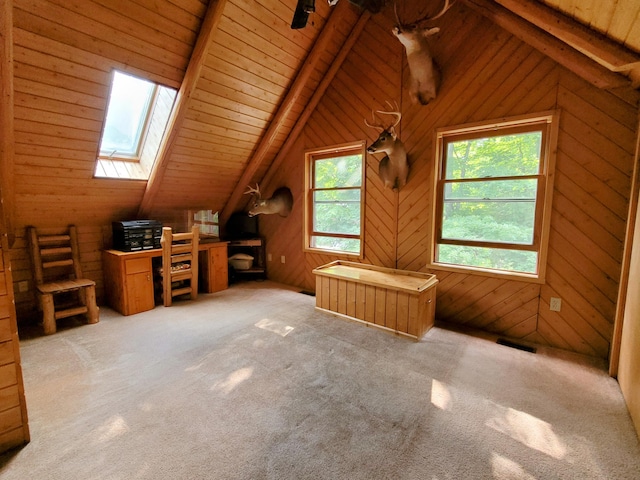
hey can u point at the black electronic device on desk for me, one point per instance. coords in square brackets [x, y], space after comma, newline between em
[136, 235]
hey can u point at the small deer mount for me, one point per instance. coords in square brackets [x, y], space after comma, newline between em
[280, 202]
[393, 169]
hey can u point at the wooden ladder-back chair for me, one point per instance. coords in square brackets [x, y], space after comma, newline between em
[57, 271]
[179, 264]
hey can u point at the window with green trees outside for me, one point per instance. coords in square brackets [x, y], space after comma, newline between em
[493, 195]
[334, 203]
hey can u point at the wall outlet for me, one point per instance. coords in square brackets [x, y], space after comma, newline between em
[282, 259]
[269, 258]
[555, 304]
[23, 286]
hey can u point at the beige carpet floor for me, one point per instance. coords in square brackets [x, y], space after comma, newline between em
[253, 383]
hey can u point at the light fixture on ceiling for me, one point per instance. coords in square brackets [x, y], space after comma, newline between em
[305, 7]
[301, 15]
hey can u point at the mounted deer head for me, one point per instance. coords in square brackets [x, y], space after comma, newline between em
[425, 74]
[393, 169]
[280, 202]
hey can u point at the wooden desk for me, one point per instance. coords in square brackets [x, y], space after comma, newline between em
[129, 275]
[395, 300]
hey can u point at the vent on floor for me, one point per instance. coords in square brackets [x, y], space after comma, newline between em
[508, 343]
[307, 292]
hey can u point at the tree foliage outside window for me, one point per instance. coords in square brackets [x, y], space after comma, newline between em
[491, 198]
[334, 209]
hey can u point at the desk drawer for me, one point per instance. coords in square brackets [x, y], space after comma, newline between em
[137, 265]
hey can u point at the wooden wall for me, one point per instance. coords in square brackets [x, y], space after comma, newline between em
[629, 367]
[64, 54]
[487, 74]
[14, 425]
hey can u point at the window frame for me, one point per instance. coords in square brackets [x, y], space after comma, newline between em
[153, 128]
[547, 123]
[211, 219]
[311, 156]
[144, 130]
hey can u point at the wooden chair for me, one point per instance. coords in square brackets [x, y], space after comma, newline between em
[57, 273]
[179, 264]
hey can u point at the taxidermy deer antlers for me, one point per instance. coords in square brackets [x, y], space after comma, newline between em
[393, 169]
[425, 74]
[280, 202]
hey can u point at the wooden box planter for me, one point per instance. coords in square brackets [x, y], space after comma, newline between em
[399, 301]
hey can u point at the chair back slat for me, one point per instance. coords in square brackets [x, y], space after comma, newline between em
[179, 263]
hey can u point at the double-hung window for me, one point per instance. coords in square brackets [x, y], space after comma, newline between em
[334, 200]
[493, 196]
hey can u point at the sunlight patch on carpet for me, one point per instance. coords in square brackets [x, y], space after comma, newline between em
[274, 326]
[504, 468]
[234, 379]
[440, 395]
[112, 428]
[528, 430]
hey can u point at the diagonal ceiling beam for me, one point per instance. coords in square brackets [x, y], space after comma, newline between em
[325, 38]
[599, 48]
[549, 45]
[191, 77]
[315, 99]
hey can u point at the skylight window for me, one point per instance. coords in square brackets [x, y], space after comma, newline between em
[127, 116]
[137, 115]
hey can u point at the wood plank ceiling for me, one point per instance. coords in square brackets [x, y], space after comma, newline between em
[241, 111]
[233, 128]
[616, 19]
[235, 117]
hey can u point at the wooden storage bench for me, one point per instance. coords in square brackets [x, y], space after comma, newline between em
[395, 300]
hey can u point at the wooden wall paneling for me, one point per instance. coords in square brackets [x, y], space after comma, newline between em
[14, 427]
[292, 97]
[483, 298]
[584, 260]
[184, 97]
[588, 260]
[624, 359]
[511, 303]
[284, 235]
[497, 75]
[606, 51]
[62, 87]
[578, 63]
[7, 125]
[123, 46]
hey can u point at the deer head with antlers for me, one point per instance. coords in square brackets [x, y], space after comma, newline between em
[280, 202]
[393, 169]
[425, 74]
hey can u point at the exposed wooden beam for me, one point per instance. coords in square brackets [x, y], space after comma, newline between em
[317, 96]
[608, 53]
[551, 46]
[7, 194]
[325, 38]
[191, 77]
